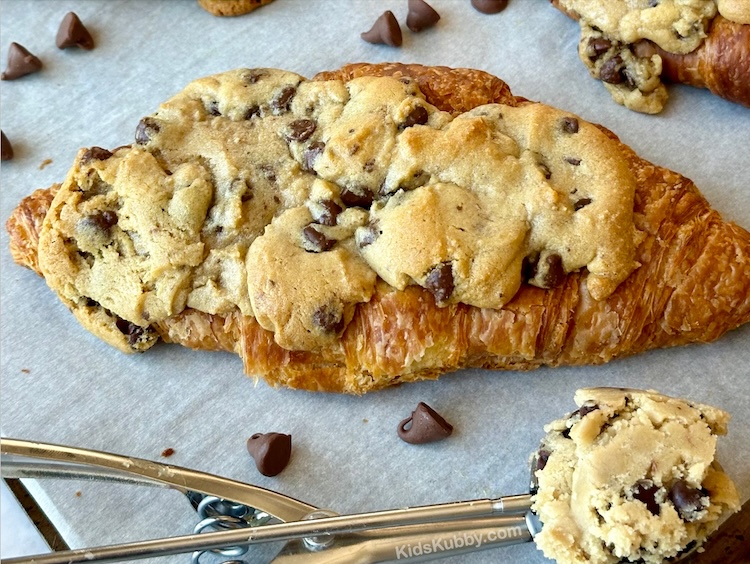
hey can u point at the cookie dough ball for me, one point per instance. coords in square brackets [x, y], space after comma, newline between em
[630, 476]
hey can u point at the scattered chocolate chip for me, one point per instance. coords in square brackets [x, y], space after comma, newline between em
[328, 319]
[145, 130]
[545, 170]
[213, 108]
[167, 452]
[369, 165]
[95, 154]
[541, 458]
[357, 197]
[300, 130]
[367, 235]
[572, 160]
[72, 33]
[315, 241]
[7, 148]
[585, 409]
[253, 76]
[439, 282]
[102, 221]
[687, 500]
[271, 452]
[311, 153]
[597, 46]
[489, 6]
[385, 30]
[555, 274]
[418, 116]
[421, 15]
[645, 491]
[327, 212]
[582, 203]
[251, 112]
[610, 71]
[569, 124]
[131, 330]
[424, 425]
[281, 103]
[20, 63]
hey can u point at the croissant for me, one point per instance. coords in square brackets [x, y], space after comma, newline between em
[689, 281]
[720, 62]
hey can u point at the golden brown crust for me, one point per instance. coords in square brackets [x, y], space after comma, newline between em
[24, 225]
[693, 287]
[231, 7]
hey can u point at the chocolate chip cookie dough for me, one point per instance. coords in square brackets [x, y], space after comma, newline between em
[287, 200]
[631, 476]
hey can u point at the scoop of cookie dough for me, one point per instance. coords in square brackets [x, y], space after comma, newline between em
[630, 476]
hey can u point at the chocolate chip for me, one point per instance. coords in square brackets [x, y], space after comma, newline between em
[327, 213]
[7, 148]
[271, 452]
[252, 111]
[103, 221]
[582, 203]
[439, 282]
[20, 63]
[489, 6]
[385, 30]
[145, 130]
[424, 425]
[360, 196]
[555, 274]
[569, 124]
[131, 330]
[281, 103]
[528, 267]
[645, 491]
[585, 409]
[367, 235]
[369, 165]
[597, 46]
[610, 71]
[315, 241]
[72, 33]
[421, 15]
[95, 154]
[418, 116]
[253, 76]
[268, 172]
[328, 319]
[545, 170]
[213, 108]
[300, 130]
[688, 501]
[311, 153]
[572, 160]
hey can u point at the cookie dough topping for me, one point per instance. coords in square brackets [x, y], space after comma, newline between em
[630, 476]
[284, 199]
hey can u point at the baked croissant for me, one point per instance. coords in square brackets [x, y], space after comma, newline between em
[688, 279]
[719, 62]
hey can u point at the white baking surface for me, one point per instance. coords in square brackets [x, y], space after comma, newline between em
[62, 385]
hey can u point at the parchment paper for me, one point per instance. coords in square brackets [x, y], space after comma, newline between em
[62, 385]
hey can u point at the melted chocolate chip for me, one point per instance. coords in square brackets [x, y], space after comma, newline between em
[131, 330]
[439, 282]
[385, 30]
[582, 203]
[147, 128]
[328, 212]
[489, 6]
[72, 33]
[418, 116]
[361, 197]
[367, 235]
[421, 15]
[311, 153]
[645, 491]
[545, 170]
[597, 46]
[282, 102]
[688, 501]
[572, 160]
[555, 274]
[103, 221]
[610, 71]
[300, 130]
[95, 154]
[20, 63]
[251, 112]
[315, 241]
[253, 76]
[424, 425]
[271, 452]
[7, 148]
[585, 409]
[569, 124]
[328, 319]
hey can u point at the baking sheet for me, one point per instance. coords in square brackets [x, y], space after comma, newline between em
[60, 384]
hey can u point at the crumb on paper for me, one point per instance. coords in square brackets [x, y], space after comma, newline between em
[167, 452]
[78, 493]
[44, 164]
[25, 370]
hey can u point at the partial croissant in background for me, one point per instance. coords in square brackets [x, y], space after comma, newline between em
[693, 286]
[721, 63]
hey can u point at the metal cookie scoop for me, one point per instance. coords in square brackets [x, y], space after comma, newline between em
[314, 535]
